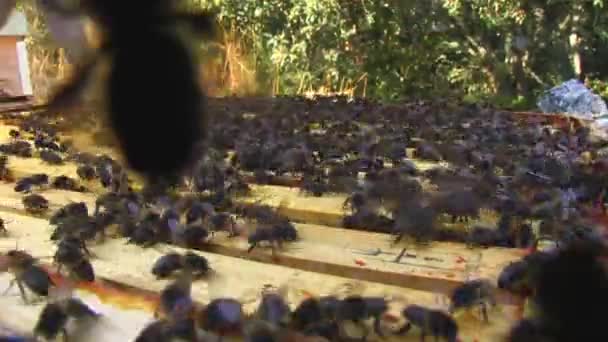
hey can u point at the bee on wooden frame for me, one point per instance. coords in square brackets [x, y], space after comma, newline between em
[152, 82]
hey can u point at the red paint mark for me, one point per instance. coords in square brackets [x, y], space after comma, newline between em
[460, 259]
[391, 318]
[307, 294]
[360, 262]
[125, 298]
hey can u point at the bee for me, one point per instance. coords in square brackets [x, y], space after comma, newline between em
[357, 309]
[35, 204]
[43, 141]
[223, 222]
[318, 317]
[169, 263]
[432, 322]
[67, 183]
[19, 148]
[86, 172]
[71, 253]
[51, 157]
[474, 293]
[5, 172]
[222, 316]
[527, 330]
[176, 297]
[54, 317]
[14, 134]
[270, 320]
[70, 210]
[191, 236]
[275, 235]
[3, 230]
[27, 272]
[25, 184]
[199, 211]
[169, 100]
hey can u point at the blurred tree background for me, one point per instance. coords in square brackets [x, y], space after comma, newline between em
[503, 51]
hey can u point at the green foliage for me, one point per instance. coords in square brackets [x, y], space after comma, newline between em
[506, 51]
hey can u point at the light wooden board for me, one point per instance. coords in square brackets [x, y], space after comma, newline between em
[239, 278]
[439, 267]
[116, 324]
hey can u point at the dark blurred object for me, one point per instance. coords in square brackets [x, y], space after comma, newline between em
[169, 100]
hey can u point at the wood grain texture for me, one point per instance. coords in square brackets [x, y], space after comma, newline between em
[126, 264]
[438, 268]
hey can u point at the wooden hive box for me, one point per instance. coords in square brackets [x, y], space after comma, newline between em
[14, 69]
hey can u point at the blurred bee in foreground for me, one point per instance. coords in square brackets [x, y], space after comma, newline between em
[152, 79]
[27, 274]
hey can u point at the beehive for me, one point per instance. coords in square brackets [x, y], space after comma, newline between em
[14, 70]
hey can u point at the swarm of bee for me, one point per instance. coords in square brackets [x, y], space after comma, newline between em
[482, 160]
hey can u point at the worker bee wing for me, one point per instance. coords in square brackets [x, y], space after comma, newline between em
[6, 8]
[67, 27]
[69, 92]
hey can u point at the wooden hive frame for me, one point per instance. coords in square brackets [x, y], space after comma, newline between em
[327, 260]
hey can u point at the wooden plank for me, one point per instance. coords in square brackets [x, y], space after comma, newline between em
[340, 252]
[117, 323]
[127, 264]
[440, 267]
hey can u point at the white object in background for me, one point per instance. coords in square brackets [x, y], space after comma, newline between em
[24, 69]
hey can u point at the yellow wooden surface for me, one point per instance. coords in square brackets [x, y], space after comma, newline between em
[242, 279]
[439, 267]
[116, 324]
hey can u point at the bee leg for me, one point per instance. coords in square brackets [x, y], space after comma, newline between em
[377, 327]
[22, 291]
[69, 92]
[404, 329]
[10, 286]
[397, 239]
[64, 335]
[365, 330]
[493, 301]
[398, 258]
[274, 249]
[484, 312]
[342, 332]
[232, 232]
